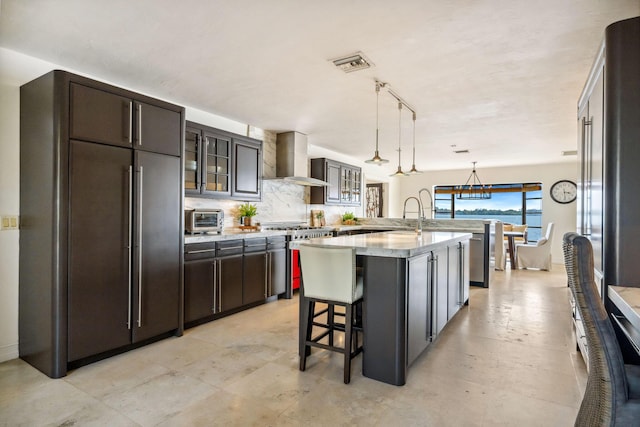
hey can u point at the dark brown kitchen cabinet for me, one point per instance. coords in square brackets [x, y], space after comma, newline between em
[229, 271]
[220, 164]
[110, 118]
[255, 271]
[345, 183]
[98, 292]
[100, 197]
[207, 162]
[247, 170]
[199, 288]
[230, 287]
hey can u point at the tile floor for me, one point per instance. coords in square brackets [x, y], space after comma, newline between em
[507, 359]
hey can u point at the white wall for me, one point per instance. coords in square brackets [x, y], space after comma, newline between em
[563, 216]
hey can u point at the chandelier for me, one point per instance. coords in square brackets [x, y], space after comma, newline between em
[473, 189]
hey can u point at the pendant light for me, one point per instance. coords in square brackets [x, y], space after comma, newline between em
[413, 170]
[473, 189]
[376, 159]
[399, 171]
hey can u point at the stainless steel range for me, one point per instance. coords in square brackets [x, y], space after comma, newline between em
[299, 231]
[296, 231]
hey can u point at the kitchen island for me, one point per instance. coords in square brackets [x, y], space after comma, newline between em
[413, 285]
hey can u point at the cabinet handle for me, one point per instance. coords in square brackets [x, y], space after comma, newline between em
[432, 289]
[215, 285]
[139, 106]
[204, 160]
[129, 238]
[220, 285]
[198, 161]
[200, 251]
[130, 122]
[266, 274]
[140, 250]
[461, 275]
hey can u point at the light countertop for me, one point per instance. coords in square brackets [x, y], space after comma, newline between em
[627, 299]
[394, 244]
[230, 234]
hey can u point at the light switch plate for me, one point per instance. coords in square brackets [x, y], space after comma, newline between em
[9, 222]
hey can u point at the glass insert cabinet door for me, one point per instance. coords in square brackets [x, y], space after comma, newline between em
[217, 163]
[192, 160]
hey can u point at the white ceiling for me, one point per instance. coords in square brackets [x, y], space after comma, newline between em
[497, 77]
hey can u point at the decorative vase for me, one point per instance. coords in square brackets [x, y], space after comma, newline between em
[247, 221]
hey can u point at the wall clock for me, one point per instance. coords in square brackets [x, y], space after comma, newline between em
[564, 191]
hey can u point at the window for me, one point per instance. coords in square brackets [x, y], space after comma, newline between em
[511, 203]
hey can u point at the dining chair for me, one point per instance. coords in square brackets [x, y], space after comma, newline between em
[536, 255]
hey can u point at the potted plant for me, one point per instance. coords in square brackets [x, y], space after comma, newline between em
[348, 218]
[245, 212]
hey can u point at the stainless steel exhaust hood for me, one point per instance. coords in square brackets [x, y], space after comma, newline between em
[291, 160]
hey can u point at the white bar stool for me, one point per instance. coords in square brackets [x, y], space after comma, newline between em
[329, 277]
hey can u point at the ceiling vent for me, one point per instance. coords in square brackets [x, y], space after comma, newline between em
[461, 151]
[354, 62]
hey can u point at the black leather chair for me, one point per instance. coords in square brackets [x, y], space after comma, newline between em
[613, 389]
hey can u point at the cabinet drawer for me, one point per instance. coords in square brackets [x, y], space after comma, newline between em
[255, 245]
[276, 242]
[195, 251]
[229, 247]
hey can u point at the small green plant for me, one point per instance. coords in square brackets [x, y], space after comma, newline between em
[348, 217]
[247, 210]
[319, 215]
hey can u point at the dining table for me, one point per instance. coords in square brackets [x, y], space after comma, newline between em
[511, 237]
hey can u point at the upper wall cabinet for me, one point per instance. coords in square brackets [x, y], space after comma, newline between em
[105, 117]
[221, 164]
[345, 183]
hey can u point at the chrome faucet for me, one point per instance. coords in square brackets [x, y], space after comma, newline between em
[420, 212]
[431, 210]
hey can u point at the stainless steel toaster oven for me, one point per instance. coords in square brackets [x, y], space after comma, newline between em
[203, 220]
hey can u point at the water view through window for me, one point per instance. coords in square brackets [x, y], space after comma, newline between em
[509, 203]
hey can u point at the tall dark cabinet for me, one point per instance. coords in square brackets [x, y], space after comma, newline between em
[609, 154]
[102, 225]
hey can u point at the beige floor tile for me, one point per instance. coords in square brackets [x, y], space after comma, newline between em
[508, 358]
[160, 398]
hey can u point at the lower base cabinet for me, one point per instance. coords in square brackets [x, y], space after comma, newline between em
[199, 294]
[227, 275]
[437, 287]
[229, 293]
[419, 293]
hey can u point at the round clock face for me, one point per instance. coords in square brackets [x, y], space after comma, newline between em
[564, 191]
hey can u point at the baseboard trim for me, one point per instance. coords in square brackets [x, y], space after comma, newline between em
[9, 352]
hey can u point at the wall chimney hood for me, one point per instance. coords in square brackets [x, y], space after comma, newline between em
[291, 160]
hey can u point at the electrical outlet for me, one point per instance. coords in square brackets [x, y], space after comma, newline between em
[9, 222]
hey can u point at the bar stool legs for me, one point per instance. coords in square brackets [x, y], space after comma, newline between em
[350, 327]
